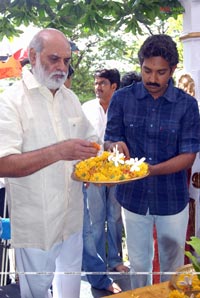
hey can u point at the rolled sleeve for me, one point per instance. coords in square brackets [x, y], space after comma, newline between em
[190, 132]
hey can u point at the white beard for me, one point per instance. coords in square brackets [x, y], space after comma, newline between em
[46, 79]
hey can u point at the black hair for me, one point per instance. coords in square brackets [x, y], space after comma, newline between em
[129, 78]
[112, 75]
[24, 62]
[159, 45]
[70, 71]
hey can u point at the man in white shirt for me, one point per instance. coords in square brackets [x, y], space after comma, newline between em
[102, 205]
[44, 133]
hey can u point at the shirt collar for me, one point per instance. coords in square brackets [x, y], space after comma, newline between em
[170, 93]
[29, 80]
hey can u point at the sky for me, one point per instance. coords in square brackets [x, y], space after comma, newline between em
[10, 47]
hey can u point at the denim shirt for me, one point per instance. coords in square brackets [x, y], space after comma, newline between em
[157, 130]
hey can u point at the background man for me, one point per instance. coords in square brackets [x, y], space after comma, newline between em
[104, 210]
[129, 78]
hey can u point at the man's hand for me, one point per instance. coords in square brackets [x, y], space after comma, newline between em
[77, 149]
[122, 148]
[26, 163]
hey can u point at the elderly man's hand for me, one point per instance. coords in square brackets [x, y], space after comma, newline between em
[77, 149]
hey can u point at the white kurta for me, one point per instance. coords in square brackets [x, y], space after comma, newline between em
[96, 115]
[45, 207]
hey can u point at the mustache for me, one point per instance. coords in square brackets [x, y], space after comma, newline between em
[153, 84]
[60, 73]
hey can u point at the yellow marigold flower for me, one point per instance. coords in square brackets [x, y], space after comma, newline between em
[110, 167]
[176, 294]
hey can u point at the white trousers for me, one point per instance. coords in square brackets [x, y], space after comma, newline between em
[49, 266]
[171, 235]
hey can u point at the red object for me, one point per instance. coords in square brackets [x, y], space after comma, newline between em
[156, 265]
[10, 68]
[21, 54]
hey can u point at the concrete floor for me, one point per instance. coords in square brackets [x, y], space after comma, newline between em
[88, 292]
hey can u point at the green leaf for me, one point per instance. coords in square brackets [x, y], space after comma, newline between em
[195, 243]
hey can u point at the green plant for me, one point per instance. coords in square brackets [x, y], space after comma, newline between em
[195, 257]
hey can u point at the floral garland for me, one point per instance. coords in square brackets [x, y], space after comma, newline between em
[110, 166]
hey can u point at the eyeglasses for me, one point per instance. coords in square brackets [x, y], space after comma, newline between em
[101, 84]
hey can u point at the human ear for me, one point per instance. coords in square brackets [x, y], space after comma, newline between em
[114, 86]
[32, 56]
[172, 70]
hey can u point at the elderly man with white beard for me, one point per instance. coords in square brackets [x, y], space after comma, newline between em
[43, 134]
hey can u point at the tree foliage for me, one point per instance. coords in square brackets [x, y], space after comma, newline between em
[116, 49]
[89, 16]
[107, 30]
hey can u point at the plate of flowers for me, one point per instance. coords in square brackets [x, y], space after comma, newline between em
[110, 168]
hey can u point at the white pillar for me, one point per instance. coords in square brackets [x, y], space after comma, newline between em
[191, 41]
[191, 60]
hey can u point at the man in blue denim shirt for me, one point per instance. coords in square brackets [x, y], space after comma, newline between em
[155, 120]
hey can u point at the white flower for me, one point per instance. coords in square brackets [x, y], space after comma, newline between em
[135, 163]
[116, 157]
[187, 281]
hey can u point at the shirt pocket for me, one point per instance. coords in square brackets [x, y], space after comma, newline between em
[77, 127]
[134, 129]
[168, 138]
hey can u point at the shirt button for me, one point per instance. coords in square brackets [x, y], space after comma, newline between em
[150, 158]
[151, 125]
